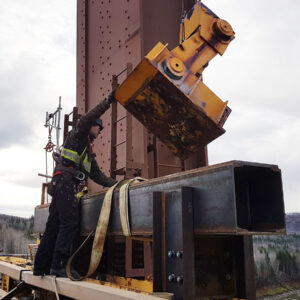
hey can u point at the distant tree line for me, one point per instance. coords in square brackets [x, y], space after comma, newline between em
[277, 259]
[15, 234]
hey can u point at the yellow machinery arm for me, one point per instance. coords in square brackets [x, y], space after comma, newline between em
[206, 35]
[166, 93]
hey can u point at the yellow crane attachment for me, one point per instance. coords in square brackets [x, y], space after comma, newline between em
[165, 91]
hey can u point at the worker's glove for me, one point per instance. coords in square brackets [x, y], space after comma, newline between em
[111, 97]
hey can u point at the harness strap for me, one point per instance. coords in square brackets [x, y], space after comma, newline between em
[59, 169]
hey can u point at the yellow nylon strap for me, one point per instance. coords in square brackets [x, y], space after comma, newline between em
[100, 235]
[101, 229]
[123, 204]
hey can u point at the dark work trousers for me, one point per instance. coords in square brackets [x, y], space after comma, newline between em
[61, 227]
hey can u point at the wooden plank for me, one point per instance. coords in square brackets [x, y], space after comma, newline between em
[73, 289]
[10, 270]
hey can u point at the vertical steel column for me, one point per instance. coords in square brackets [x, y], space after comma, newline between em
[110, 36]
[82, 56]
[173, 243]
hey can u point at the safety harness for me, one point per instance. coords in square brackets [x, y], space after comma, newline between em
[82, 160]
[60, 169]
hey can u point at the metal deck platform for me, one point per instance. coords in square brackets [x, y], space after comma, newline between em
[73, 289]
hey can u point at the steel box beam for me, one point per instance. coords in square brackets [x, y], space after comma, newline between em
[230, 198]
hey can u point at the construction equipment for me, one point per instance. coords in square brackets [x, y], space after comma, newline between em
[190, 232]
[166, 93]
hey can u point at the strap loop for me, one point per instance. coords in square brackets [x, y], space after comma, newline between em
[123, 204]
[101, 229]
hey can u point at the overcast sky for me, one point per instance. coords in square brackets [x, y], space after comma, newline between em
[258, 75]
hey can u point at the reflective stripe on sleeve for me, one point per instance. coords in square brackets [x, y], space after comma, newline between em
[71, 155]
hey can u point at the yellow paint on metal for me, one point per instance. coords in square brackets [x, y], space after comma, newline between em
[176, 65]
[155, 51]
[211, 103]
[15, 260]
[143, 73]
[224, 29]
[5, 282]
[208, 26]
[141, 286]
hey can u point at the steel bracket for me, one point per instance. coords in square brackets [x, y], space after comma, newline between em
[173, 243]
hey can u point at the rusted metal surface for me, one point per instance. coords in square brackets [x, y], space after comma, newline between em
[138, 258]
[197, 267]
[111, 35]
[70, 123]
[165, 91]
[231, 198]
[44, 190]
[131, 271]
[168, 112]
[223, 267]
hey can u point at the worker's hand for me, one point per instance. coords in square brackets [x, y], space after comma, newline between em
[111, 97]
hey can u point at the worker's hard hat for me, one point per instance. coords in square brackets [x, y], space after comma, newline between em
[99, 123]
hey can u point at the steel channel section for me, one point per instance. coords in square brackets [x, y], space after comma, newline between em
[218, 201]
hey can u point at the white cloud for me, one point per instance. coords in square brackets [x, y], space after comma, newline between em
[259, 75]
[38, 64]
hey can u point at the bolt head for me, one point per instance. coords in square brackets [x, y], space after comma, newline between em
[179, 254]
[228, 277]
[171, 253]
[179, 279]
[171, 277]
[223, 29]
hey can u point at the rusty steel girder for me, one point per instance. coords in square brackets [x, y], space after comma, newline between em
[230, 198]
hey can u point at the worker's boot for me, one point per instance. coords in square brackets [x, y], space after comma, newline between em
[37, 272]
[59, 270]
[62, 273]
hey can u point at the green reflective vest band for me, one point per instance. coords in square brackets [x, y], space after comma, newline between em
[82, 154]
[71, 155]
[87, 164]
[76, 158]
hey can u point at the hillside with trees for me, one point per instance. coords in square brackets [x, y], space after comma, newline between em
[277, 258]
[15, 234]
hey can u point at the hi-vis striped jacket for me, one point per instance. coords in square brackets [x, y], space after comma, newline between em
[75, 152]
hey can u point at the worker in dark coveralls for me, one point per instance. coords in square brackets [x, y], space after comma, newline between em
[76, 159]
